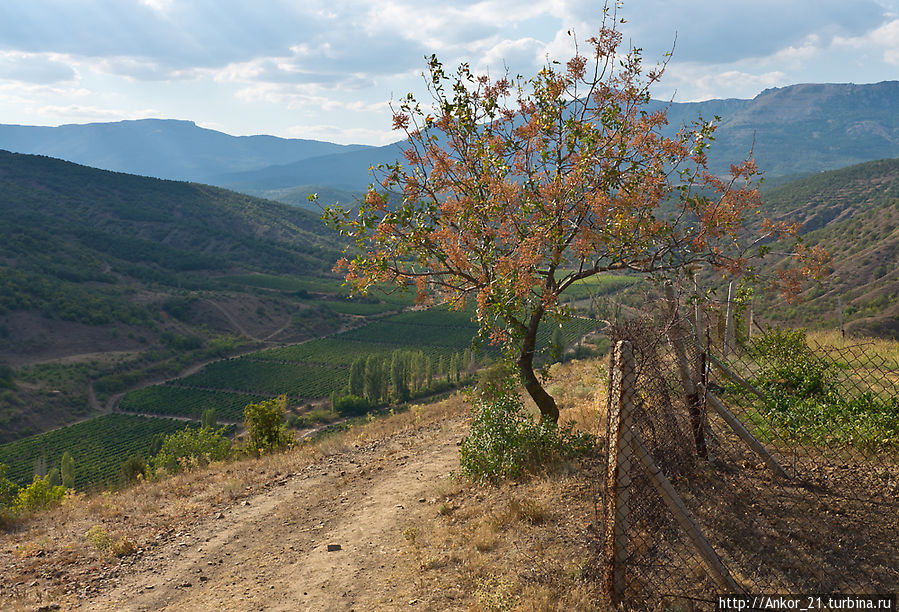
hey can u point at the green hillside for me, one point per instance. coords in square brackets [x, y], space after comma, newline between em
[107, 279]
[853, 213]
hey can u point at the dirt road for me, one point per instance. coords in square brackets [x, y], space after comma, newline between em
[274, 550]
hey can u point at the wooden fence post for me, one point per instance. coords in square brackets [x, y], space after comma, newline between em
[840, 310]
[691, 397]
[729, 321]
[737, 426]
[618, 477]
[678, 508]
[749, 322]
[700, 324]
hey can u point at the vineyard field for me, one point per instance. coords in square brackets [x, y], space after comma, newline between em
[315, 368]
[249, 375]
[599, 285]
[171, 400]
[99, 447]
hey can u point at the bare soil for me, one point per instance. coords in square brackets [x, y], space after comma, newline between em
[265, 545]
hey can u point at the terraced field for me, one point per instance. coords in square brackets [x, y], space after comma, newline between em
[304, 372]
[99, 447]
[314, 369]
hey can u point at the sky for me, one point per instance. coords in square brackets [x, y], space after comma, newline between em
[326, 70]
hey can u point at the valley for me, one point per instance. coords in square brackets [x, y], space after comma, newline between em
[132, 308]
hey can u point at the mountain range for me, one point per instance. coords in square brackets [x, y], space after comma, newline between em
[791, 131]
[163, 148]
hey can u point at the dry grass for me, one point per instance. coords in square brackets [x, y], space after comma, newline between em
[518, 546]
[521, 547]
[884, 348]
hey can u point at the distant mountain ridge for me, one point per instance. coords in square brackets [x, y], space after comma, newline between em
[794, 130]
[162, 148]
[791, 131]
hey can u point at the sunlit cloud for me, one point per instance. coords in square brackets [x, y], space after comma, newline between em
[284, 63]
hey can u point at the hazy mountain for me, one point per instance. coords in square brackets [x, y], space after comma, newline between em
[810, 128]
[162, 148]
[791, 130]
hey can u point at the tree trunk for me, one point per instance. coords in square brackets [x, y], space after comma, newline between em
[545, 402]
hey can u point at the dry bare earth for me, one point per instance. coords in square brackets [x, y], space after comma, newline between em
[254, 535]
[270, 551]
[265, 546]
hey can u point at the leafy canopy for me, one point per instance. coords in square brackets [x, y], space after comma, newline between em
[513, 189]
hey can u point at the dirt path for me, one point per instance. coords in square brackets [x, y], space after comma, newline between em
[271, 551]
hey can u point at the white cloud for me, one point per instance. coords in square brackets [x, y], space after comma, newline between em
[80, 113]
[700, 82]
[44, 68]
[345, 135]
[160, 6]
[520, 56]
[884, 39]
[281, 63]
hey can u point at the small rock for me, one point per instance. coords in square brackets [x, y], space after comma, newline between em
[333, 547]
[422, 500]
[244, 503]
[219, 515]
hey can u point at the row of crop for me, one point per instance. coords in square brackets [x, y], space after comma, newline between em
[173, 400]
[413, 335]
[317, 368]
[99, 447]
[265, 377]
[572, 330]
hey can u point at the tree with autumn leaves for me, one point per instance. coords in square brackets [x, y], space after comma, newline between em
[513, 189]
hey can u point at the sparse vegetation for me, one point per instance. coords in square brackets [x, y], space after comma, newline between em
[806, 401]
[506, 442]
[190, 448]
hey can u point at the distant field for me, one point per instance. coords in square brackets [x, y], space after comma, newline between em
[316, 368]
[99, 447]
[304, 371]
[285, 283]
[595, 286]
[171, 400]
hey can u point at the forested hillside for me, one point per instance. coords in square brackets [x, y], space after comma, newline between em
[109, 277]
[853, 213]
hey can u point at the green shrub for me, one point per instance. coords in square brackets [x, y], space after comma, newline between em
[132, 467]
[98, 537]
[806, 403]
[788, 365]
[8, 489]
[39, 495]
[506, 442]
[265, 426]
[208, 418]
[192, 447]
[7, 377]
[67, 470]
[349, 405]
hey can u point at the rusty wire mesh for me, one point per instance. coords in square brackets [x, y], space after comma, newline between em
[829, 417]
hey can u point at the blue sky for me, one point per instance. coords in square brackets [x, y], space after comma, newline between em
[327, 69]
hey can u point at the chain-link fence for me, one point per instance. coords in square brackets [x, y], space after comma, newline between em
[771, 470]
